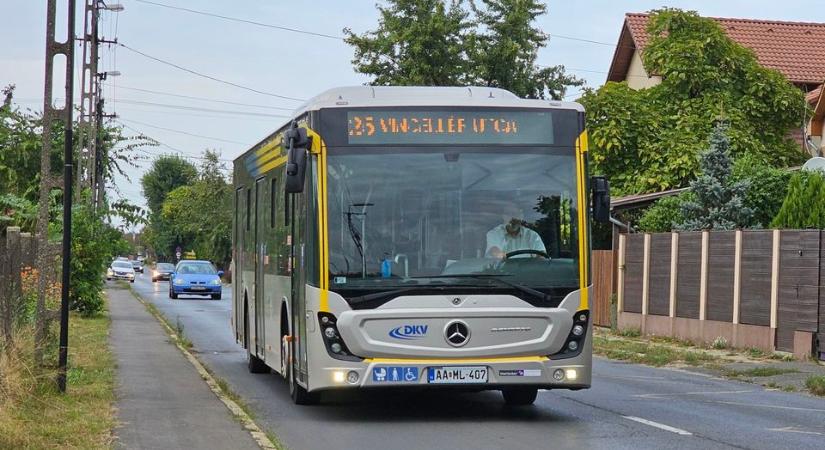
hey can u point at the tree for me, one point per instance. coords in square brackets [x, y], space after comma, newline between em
[167, 173]
[505, 55]
[418, 42]
[429, 43]
[804, 205]
[648, 140]
[719, 202]
[768, 187]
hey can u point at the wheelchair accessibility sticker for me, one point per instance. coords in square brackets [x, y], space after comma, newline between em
[395, 374]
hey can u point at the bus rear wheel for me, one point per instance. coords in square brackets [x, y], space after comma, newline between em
[520, 396]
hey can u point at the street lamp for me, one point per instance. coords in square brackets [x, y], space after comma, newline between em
[115, 7]
[111, 73]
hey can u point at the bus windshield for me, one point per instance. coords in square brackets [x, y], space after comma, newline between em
[412, 216]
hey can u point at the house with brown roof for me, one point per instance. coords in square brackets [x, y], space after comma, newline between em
[793, 48]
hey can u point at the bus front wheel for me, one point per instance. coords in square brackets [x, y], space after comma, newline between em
[299, 395]
[520, 396]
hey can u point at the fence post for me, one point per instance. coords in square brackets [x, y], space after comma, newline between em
[646, 276]
[674, 265]
[620, 277]
[774, 286]
[737, 276]
[703, 277]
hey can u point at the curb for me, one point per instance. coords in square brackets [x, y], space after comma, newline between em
[249, 425]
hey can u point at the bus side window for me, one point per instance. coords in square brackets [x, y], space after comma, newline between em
[248, 208]
[273, 207]
[287, 212]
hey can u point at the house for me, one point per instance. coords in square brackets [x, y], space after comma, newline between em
[793, 48]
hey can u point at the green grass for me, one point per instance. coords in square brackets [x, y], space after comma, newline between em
[647, 353]
[759, 372]
[816, 384]
[33, 414]
[629, 332]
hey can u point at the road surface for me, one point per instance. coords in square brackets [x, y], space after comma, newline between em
[629, 406]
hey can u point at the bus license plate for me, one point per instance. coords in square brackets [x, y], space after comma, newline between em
[457, 375]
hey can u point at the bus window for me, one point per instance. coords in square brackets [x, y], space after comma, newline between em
[248, 208]
[273, 190]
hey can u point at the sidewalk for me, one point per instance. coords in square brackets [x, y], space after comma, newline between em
[162, 402]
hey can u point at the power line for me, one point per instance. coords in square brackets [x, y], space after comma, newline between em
[209, 77]
[180, 153]
[199, 109]
[192, 97]
[235, 19]
[187, 133]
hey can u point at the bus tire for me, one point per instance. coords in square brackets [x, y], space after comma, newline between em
[519, 396]
[299, 395]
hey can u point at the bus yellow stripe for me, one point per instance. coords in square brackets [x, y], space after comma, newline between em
[273, 164]
[508, 359]
[581, 154]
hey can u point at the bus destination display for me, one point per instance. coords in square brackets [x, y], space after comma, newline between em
[450, 127]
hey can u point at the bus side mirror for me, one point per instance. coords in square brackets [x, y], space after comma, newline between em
[297, 144]
[600, 188]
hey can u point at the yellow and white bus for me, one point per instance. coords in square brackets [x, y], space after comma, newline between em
[418, 237]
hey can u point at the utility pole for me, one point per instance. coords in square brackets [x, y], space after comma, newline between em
[88, 96]
[51, 114]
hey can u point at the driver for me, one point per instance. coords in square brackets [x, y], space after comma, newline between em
[512, 234]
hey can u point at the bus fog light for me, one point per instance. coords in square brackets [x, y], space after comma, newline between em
[329, 332]
[352, 377]
[578, 330]
[338, 376]
[558, 375]
[571, 374]
[573, 346]
[336, 347]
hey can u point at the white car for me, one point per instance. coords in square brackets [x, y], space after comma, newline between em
[121, 270]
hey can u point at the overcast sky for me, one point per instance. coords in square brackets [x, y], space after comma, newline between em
[280, 62]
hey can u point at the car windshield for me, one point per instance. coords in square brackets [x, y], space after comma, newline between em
[121, 265]
[196, 269]
[437, 215]
[166, 266]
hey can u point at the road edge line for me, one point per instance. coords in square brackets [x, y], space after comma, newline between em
[258, 435]
[660, 426]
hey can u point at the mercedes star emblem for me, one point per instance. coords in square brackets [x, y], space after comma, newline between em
[457, 333]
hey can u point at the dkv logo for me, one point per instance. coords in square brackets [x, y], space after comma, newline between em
[409, 332]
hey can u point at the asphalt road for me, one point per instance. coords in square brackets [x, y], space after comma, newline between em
[629, 406]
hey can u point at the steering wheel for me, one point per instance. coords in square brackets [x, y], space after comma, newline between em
[526, 252]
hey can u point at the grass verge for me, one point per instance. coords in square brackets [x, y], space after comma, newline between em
[647, 352]
[816, 384]
[33, 414]
[759, 372]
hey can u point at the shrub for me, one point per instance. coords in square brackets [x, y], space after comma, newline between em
[816, 384]
[664, 214]
[804, 204]
[720, 343]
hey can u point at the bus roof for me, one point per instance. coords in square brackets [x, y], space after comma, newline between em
[379, 96]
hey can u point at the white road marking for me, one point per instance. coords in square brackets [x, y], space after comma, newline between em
[660, 426]
[692, 393]
[794, 430]
[792, 408]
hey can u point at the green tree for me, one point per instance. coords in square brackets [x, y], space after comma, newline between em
[167, 173]
[430, 43]
[768, 187]
[804, 205]
[719, 201]
[649, 140]
[664, 215]
[418, 42]
[505, 55]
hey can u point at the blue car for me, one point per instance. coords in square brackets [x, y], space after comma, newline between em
[197, 278]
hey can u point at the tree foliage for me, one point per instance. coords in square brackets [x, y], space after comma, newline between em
[719, 200]
[487, 42]
[664, 215]
[767, 188]
[649, 139]
[804, 205]
[167, 173]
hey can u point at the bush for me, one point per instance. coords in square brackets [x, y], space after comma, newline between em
[804, 204]
[664, 214]
[767, 189]
[816, 384]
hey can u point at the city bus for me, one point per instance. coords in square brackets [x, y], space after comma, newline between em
[418, 237]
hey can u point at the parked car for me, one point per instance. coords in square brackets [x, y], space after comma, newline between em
[162, 271]
[195, 277]
[121, 270]
[138, 266]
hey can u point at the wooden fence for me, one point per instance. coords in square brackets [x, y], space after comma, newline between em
[760, 288]
[603, 269]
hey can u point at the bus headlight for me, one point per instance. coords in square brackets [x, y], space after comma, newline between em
[578, 330]
[575, 340]
[571, 374]
[329, 332]
[352, 377]
[336, 347]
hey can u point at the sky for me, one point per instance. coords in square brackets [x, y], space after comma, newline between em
[276, 62]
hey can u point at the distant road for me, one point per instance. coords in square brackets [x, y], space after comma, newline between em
[630, 406]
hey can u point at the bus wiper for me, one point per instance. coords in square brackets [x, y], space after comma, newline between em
[380, 295]
[497, 277]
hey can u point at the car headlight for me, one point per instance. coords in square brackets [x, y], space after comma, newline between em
[109, 272]
[178, 281]
[131, 275]
[216, 282]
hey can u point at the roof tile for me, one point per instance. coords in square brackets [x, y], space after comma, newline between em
[796, 49]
